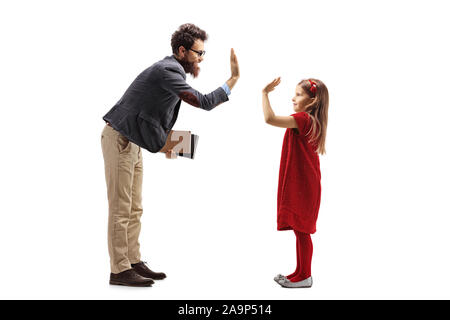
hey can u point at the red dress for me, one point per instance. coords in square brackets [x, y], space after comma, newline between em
[299, 186]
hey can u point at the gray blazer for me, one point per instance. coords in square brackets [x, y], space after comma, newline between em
[149, 107]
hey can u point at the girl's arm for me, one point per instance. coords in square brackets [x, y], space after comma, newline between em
[269, 115]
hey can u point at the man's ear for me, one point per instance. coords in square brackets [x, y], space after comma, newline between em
[181, 52]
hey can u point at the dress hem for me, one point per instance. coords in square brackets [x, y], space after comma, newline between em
[284, 223]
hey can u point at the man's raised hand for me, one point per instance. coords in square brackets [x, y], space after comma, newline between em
[234, 65]
[235, 74]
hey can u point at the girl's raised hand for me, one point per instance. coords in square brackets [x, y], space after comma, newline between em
[271, 86]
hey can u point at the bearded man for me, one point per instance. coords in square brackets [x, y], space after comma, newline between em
[143, 118]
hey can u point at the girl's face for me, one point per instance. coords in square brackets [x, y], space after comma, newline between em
[301, 99]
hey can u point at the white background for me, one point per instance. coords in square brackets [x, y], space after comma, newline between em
[210, 223]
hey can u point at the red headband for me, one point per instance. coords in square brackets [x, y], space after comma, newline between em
[313, 88]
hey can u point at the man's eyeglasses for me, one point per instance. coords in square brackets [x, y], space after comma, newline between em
[200, 53]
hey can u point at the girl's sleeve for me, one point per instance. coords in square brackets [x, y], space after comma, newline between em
[303, 122]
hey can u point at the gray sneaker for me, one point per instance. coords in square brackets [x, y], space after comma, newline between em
[286, 283]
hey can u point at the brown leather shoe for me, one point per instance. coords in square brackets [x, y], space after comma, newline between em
[142, 269]
[130, 278]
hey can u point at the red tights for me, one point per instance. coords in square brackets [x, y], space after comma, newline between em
[304, 257]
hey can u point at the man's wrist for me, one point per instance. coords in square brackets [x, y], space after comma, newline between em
[232, 81]
[226, 88]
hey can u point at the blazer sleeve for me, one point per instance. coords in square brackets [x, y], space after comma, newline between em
[174, 82]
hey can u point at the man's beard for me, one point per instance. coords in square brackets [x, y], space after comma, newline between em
[190, 67]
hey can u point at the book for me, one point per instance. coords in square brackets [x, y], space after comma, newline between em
[182, 143]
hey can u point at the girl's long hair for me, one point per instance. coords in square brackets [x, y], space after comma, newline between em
[318, 111]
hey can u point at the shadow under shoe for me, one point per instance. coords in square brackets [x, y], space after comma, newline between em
[130, 278]
[142, 269]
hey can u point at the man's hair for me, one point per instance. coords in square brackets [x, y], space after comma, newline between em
[186, 35]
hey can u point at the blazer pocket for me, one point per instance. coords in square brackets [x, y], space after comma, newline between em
[150, 120]
[152, 132]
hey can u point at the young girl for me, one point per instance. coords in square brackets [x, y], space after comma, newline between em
[299, 181]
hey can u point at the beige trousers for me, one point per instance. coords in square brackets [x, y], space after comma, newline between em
[123, 173]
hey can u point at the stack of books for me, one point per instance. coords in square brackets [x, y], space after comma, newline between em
[182, 143]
